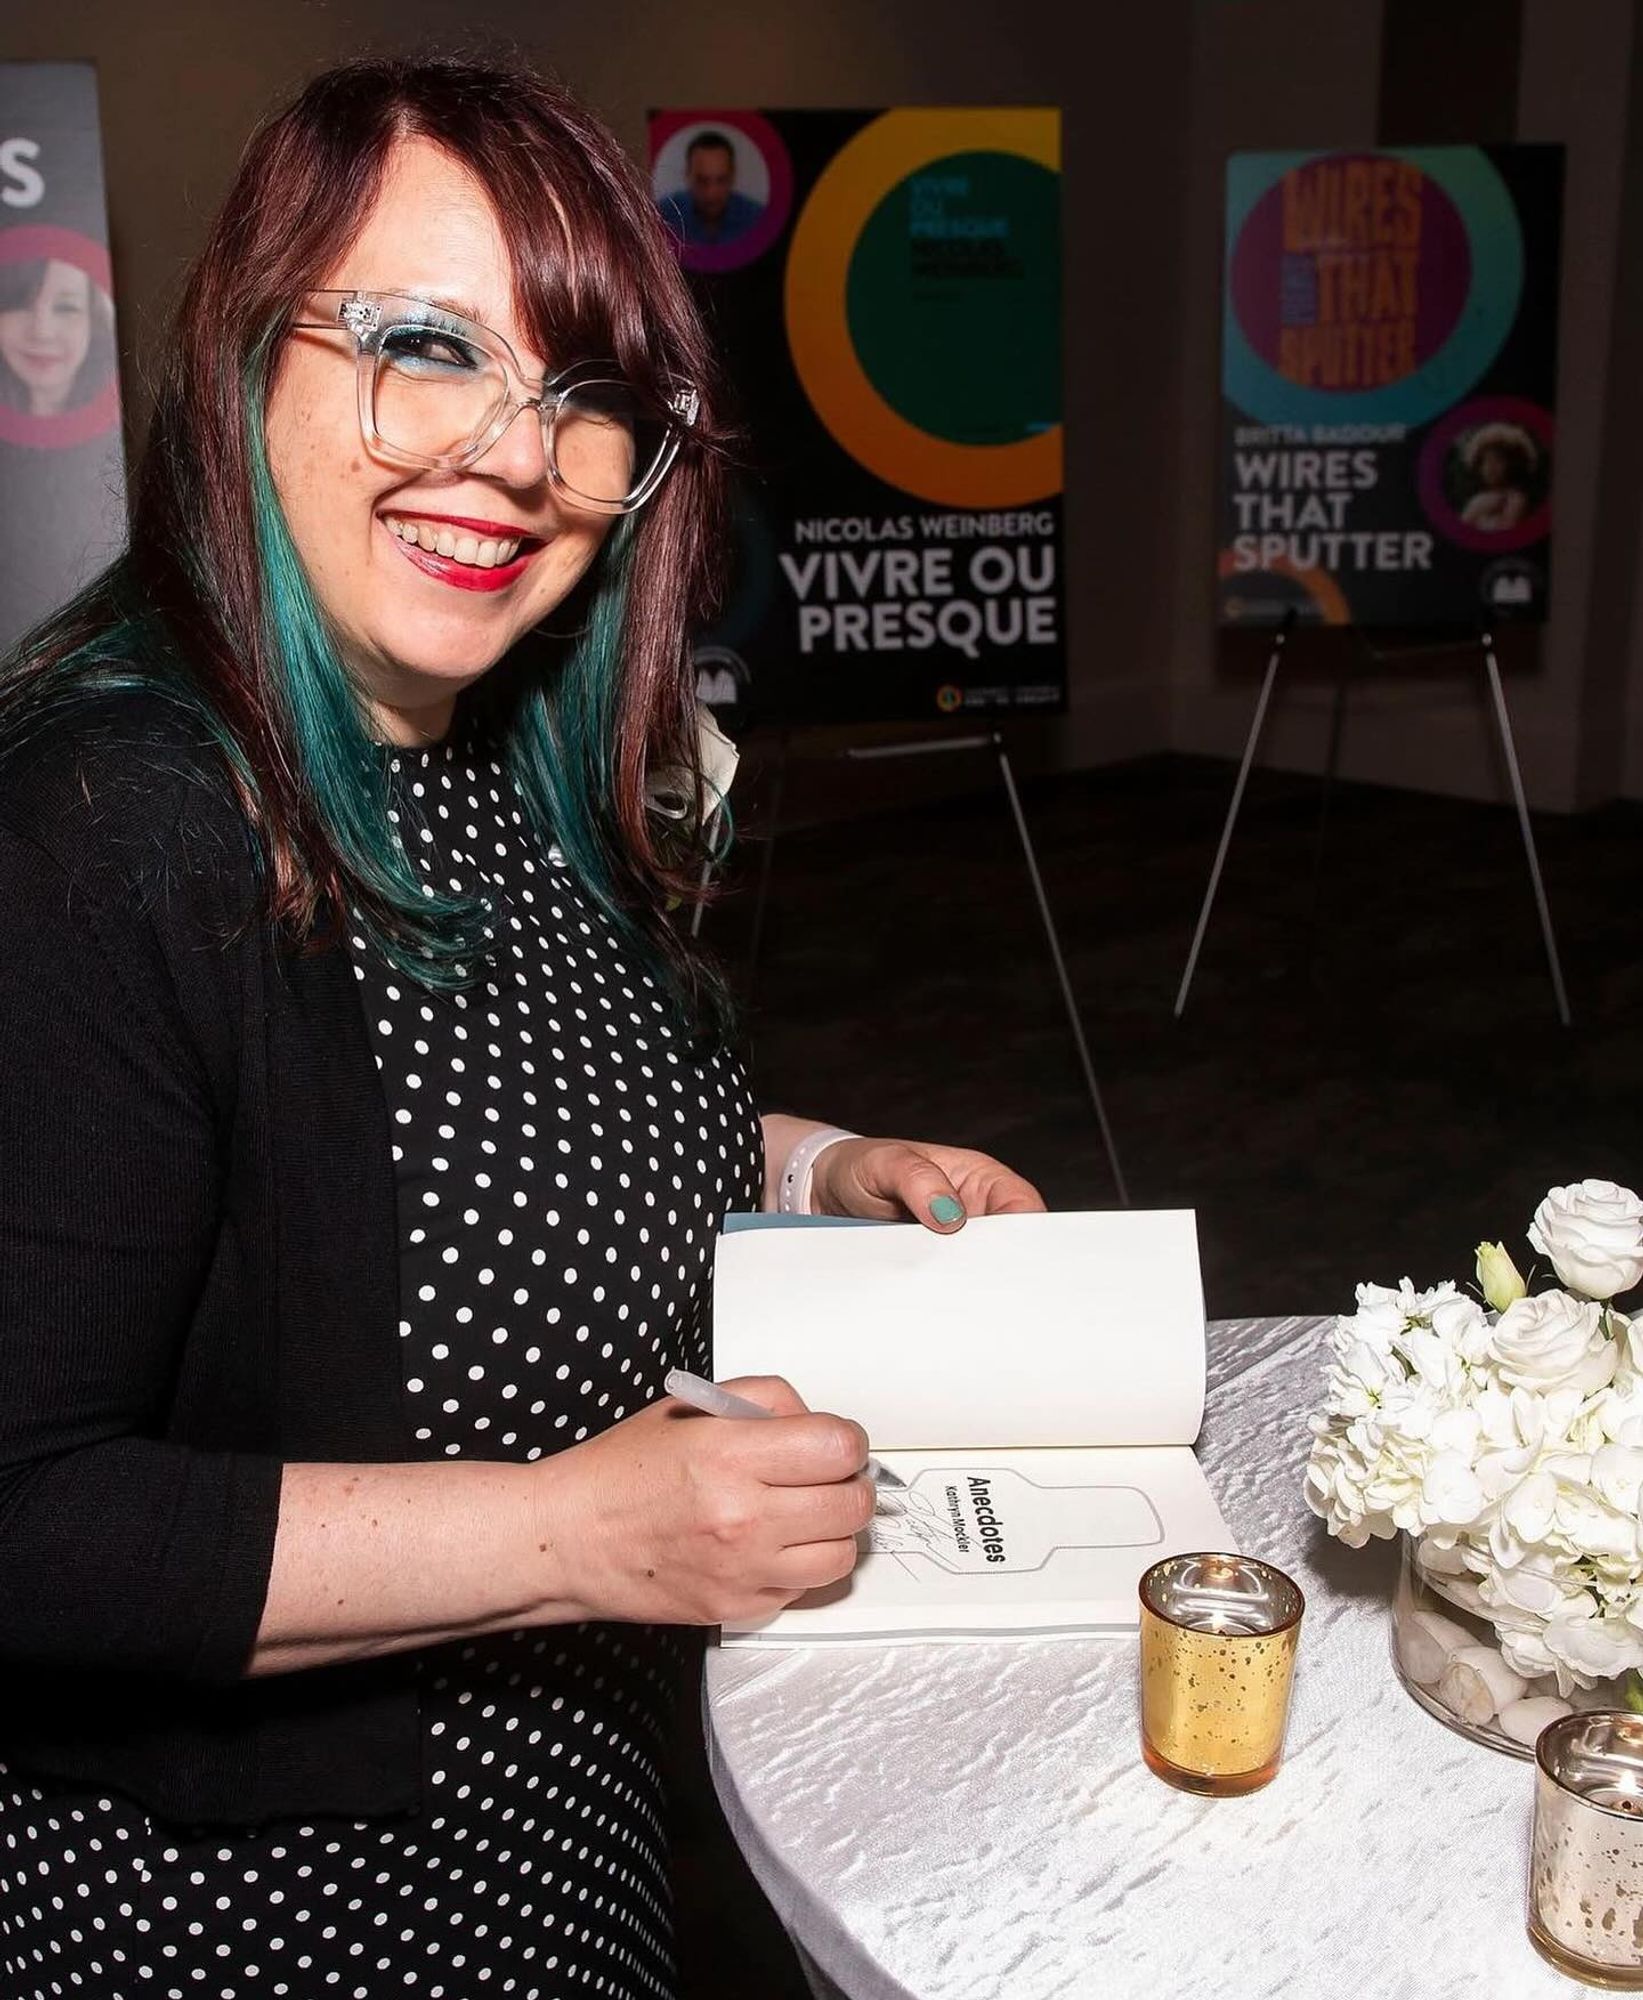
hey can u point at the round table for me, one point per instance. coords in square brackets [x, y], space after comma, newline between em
[960, 1822]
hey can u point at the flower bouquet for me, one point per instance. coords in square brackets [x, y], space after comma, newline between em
[1502, 1436]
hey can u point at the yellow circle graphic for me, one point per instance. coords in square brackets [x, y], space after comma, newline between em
[851, 187]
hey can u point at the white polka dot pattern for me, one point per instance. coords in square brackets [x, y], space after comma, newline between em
[562, 1164]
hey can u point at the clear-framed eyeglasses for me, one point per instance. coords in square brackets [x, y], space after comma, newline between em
[438, 390]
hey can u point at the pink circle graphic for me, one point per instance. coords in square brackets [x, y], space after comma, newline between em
[41, 242]
[1511, 412]
[1276, 291]
[760, 134]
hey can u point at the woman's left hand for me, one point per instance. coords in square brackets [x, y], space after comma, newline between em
[887, 1180]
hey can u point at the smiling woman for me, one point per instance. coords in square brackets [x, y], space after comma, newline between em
[368, 1122]
[439, 400]
[262, 523]
[56, 336]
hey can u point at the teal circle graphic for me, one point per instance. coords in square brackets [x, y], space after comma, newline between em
[953, 298]
[1469, 179]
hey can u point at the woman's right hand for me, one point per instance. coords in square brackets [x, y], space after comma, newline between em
[675, 1518]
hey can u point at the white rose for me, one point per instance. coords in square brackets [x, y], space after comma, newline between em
[1593, 1234]
[1552, 1341]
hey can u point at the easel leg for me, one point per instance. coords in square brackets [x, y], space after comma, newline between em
[761, 899]
[1504, 724]
[1060, 969]
[1332, 770]
[1255, 728]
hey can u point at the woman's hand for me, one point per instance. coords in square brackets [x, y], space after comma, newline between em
[887, 1179]
[675, 1518]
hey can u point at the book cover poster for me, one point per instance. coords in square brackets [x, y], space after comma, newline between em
[884, 288]
[1389, 355]
[62, 469]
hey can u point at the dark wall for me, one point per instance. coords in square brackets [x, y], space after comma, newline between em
[183, 82]
[1154, 97]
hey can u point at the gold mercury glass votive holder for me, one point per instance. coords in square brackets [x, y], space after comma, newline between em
[1586, 1858]
[1218, 1635]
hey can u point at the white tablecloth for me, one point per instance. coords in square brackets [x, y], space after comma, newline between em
[955, 1823]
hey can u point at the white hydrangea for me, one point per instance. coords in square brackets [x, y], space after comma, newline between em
[1511, 1447]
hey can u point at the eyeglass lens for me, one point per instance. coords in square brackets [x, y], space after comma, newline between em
[435, 392]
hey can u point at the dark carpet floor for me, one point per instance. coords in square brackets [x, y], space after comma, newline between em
[1370, 1075]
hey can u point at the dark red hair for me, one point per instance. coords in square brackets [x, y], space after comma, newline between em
[604, 282]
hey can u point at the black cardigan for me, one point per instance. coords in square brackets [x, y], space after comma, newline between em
[198, 1282]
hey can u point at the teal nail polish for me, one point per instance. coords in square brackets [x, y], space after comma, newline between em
[946, 1208]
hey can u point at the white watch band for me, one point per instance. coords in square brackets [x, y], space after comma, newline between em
[793, 1195]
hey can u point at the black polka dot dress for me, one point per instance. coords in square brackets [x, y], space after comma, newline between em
[563, 1164]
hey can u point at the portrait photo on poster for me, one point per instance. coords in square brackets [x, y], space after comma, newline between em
[1486, 474]
[59, 382]
[722, 183]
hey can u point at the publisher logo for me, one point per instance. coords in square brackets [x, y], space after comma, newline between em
[1511, 586]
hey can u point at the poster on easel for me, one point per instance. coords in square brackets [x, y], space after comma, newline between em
[62, 467]
[1389, 363]
[884, 289]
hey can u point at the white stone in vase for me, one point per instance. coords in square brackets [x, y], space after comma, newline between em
[1427, 1642]
[1477, 1684]
[1524, 1720]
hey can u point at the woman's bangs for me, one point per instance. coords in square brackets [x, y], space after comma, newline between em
[577, 300]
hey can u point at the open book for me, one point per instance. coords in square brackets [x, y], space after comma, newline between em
[1036, 1381]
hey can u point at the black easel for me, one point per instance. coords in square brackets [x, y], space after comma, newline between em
[1503, 724]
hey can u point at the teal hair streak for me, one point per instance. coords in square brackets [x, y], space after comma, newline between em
[564, 731]
[559, 728]
[561, 744]
[429, 937]
[559, 737]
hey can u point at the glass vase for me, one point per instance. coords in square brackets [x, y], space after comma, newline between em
[1449, 1658]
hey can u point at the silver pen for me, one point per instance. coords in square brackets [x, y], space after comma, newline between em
[713, 1401]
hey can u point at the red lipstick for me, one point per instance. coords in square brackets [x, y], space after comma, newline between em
[498, 531]
[467, 576]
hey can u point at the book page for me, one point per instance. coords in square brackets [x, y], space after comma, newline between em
[1021, 1330]
[1008, 1544]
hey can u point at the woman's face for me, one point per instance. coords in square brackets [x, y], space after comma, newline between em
[415, 638]
[1494, 468]
[44, 342]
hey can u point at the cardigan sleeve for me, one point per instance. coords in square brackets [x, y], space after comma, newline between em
[119, 1549]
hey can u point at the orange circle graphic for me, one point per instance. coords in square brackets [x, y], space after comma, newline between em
[842, 202]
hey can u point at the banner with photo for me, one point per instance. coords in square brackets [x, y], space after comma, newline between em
[885, 291]
[62, 469]
[1389, 361]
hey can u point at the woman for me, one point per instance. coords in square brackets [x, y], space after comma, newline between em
[374, 1124]
[1501, 459]
[56, 337]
